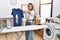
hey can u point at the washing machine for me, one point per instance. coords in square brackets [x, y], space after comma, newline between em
[49, 32]
[52, 32]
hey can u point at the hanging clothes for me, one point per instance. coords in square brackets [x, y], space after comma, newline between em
[20, 16]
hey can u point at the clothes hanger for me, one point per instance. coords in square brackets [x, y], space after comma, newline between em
[13, 2]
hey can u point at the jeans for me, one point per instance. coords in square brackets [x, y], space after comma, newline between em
[29, 34]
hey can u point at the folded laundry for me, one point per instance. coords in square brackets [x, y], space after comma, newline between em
[19, 13]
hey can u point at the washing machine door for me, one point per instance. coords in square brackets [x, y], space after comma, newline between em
[49, 33]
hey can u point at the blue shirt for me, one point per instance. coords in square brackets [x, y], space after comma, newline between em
[20, 16]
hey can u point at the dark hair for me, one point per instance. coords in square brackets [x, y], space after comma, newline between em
[31, 5]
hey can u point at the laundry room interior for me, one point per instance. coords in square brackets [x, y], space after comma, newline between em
[29, 19]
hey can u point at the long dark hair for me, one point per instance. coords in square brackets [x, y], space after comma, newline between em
[31, 5]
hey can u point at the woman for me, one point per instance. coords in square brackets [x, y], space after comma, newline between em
[29, 17]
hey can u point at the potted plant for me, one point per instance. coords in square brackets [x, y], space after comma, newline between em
[58, 16]
[57, 19]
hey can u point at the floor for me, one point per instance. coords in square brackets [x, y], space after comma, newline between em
[37, 37]
[11, 37]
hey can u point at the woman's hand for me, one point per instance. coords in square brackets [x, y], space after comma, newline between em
[27, 12]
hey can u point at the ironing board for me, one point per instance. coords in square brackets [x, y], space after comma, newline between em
[22, 29]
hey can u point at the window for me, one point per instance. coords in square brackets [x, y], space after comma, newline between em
[45, 9]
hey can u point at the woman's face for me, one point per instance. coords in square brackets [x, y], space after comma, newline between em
[30, 7]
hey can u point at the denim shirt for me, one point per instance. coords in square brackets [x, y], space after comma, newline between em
[20, 16]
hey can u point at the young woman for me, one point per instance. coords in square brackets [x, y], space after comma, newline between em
[29, 17]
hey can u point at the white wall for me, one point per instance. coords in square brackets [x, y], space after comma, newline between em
[56, 7]
[6, 7]
[36, 7]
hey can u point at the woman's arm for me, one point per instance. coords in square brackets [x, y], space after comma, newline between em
[27, 12]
